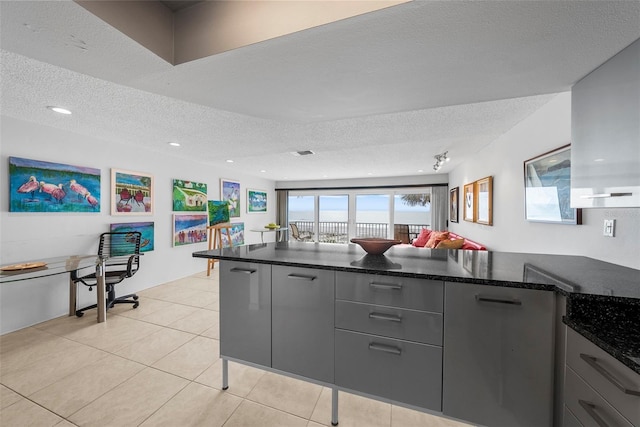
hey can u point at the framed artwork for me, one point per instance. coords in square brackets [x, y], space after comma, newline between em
[189, 196]
[38, 186]
[230, 192]
[469, 210]
[484, 200]
[218, 212]
[145, 228]
[453, 204]
[189, 228]
[547, 182]
[237, 235]
[131, 193]
[256, 201]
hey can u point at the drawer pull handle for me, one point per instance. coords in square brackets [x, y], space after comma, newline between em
[593, 362]
[383, 316]
[301, 277]
[385, 348]
[590, 409]
[514, 301]
[385, 286]
[243, 270]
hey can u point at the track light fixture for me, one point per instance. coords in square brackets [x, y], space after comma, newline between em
[440, 160]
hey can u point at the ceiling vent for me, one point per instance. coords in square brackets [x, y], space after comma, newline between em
[302, 153]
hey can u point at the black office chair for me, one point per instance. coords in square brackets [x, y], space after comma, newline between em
[121, 252]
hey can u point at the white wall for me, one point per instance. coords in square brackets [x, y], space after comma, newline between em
[29, 236]
[545, 130]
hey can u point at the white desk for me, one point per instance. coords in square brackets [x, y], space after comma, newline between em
[278, 231]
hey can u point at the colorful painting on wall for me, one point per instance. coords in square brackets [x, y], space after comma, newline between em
[189, 229]
[218, 212]
[237, 235]
[37, 186]
[145, 228]
[256, 201]
[189, 196]
[230, 192]
[131, 193]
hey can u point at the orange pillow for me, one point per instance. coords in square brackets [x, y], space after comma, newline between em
[422, 238]
[435, 238]
[451, 244]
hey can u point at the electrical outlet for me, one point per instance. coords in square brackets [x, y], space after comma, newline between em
[609, 227]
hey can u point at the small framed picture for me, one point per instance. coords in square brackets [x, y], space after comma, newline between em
[484, 200]
[230, 192]
[453, 204]
[469, 210]
[131, 193]
[256, 201]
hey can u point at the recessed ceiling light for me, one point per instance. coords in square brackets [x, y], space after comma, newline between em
[325, 176]
[420, 170]
[174, 144]
[303, 153]
[59, 109]
[229, 161]
[263, 171]
[369, 173]
[599, 160]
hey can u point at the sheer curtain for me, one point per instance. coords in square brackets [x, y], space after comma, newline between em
[282, 210]
[439, 207]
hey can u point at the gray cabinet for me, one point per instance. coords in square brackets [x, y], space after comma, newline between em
[245, 311]
[303, 321]
[498, 355]
[605, 147]
[599, 387]
[389, 337]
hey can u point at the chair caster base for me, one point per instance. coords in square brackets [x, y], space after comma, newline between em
[136, 305]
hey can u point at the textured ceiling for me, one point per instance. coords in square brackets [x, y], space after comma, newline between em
[377, 94]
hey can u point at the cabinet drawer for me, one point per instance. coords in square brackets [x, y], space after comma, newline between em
[417, 294]
[588, 406]
[602, 371]
[411, 325]
[398, 370]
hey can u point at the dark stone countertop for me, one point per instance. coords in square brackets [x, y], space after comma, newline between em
[563, 273]
[592, 287]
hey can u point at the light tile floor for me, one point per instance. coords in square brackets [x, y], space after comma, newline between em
[158, 365]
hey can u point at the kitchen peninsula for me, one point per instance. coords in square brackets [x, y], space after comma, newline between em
[473, 335]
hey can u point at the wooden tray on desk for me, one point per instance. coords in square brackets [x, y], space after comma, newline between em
[23, 266]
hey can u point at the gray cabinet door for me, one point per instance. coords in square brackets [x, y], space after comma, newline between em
[245, 311]
[303, 321]
[498, 355]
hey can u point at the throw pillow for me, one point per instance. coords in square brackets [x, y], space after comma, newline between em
[422, 238]
[451, 244]
[435, 238]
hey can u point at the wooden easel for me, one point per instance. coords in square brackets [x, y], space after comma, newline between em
[215, 240]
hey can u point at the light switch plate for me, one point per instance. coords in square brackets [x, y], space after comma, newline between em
[609, 227]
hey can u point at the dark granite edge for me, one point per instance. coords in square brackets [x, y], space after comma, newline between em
[476, 281]
[594, 338]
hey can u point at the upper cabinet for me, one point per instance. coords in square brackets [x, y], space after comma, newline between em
[605, 128]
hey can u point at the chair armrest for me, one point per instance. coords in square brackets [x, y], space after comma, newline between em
[130, 261]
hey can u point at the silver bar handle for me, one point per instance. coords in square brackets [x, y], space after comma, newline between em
[384, 316]
[385, 348]
[512, 301]
[392, 287]
[243, 270]
[593, 362]
[605, 195]
[301, 277]
[590, 409]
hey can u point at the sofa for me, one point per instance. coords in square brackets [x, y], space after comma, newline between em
[445, 240]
